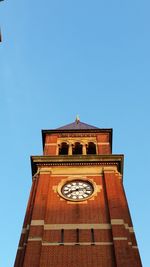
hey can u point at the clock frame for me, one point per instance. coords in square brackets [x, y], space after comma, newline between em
[76, 189]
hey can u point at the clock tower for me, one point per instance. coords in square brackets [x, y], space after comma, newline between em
[77, 213]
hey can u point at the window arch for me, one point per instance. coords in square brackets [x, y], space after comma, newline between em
[91, 148]
[77, 148]
[63, 149]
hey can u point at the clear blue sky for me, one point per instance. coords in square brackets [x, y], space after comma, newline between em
[62, 58]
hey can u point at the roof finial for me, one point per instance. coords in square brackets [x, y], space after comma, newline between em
[77, 119]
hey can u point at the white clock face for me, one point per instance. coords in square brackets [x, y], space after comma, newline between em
[77, 190]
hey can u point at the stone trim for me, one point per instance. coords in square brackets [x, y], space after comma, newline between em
[80, 226]
[117, 221]
[75, 226]
[83, 226]
[97, 170]
[37, 222]
[70, 226]
[121, 222]
[80, 139]
[130, 228]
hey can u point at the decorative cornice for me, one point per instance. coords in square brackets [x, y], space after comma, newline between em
[77, 160]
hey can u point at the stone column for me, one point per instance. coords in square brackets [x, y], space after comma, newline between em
[84, 149]
[57, 149]
[70, 150]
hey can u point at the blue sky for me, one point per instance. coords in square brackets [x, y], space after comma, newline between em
[62, 58]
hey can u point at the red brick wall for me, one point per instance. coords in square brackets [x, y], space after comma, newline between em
[33, 254]
[48, 206]
[64, 212]
[125, 254]
[77, 256]
[50, 146]
[109, 204]
[104, 146]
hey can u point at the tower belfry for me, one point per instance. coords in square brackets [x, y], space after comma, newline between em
[77, 213]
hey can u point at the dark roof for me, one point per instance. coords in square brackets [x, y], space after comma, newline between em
[77, 125]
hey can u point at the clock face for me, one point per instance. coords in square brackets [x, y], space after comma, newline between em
[77, 190]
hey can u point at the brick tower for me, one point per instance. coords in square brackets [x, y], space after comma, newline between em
[77, 214]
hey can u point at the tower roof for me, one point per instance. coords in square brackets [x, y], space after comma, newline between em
[77, 125]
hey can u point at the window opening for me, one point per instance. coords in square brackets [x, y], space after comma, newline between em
[91, 148]
[63, 149]
[77, 148]
[92, 237]
[62, 237]
[77, 236]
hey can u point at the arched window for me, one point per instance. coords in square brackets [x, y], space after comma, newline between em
[63, 149]
[91, 148]
[77, 148]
